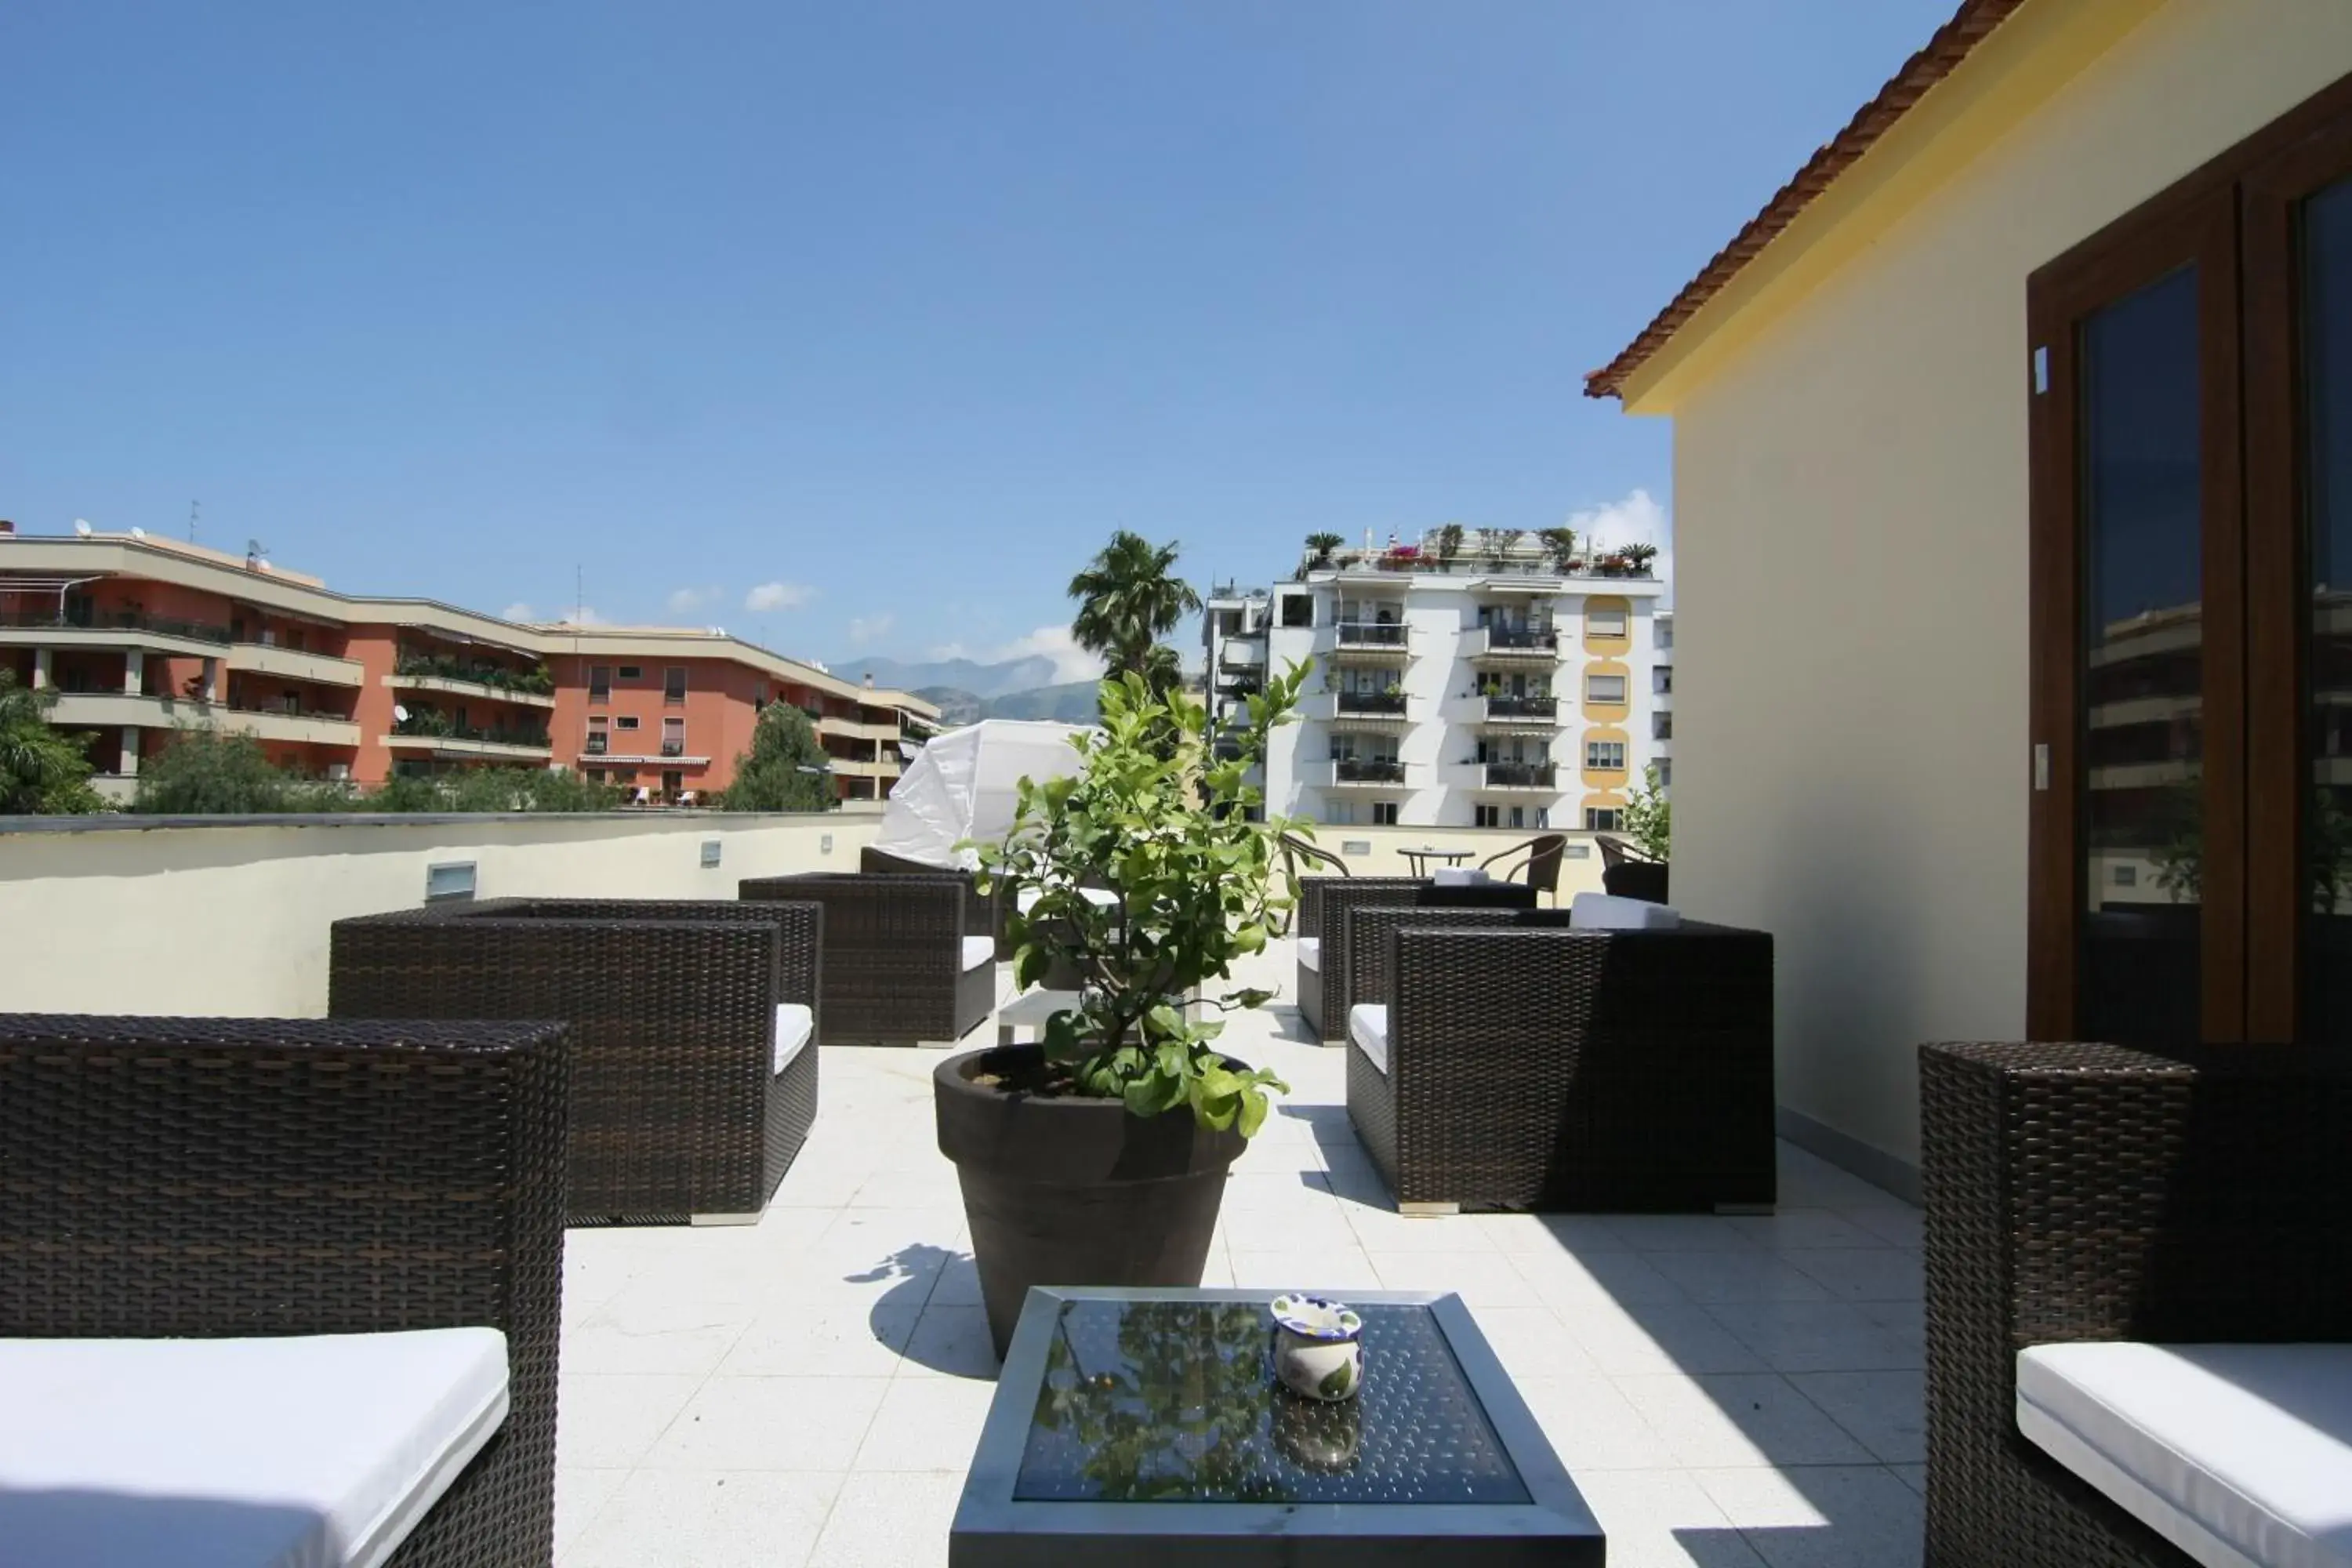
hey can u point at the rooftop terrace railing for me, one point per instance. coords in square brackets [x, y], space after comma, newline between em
[115, 620]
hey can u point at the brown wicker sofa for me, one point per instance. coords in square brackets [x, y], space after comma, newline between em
[1531, 1065]
[2080, 1192]
[1323, 902]
[228, 1177]
[983, 913]
[895, 970]
[677, 1110]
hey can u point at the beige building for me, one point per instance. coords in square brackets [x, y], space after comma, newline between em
[2049, 356]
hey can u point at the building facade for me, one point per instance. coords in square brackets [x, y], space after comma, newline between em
[141, 637]
[1496, 688]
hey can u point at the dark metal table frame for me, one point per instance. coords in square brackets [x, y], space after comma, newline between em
[996, 1529]
[1419, 858]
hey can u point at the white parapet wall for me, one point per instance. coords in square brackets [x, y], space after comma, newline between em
[230, 917]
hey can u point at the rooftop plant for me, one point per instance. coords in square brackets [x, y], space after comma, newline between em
[1158, 815]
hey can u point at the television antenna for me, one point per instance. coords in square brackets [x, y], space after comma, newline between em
[399, 714]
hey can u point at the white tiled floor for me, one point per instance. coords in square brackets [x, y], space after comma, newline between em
[808, 1391]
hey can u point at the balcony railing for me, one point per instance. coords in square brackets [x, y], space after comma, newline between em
[1501, 705]
[1382, 704]
[1372, 634]
[535, 682]
[1534, 638]
[1521, 775]
[1367, 770]
[432, 726]
[116, 620]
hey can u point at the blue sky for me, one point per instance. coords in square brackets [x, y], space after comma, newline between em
[858, 327]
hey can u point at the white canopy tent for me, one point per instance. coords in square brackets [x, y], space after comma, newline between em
[964, 784]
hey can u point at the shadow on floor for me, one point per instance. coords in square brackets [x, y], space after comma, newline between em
[945, 1336]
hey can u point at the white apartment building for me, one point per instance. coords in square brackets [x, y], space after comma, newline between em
[1487, 688]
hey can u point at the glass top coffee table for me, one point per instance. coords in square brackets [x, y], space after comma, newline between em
[1137, 1427]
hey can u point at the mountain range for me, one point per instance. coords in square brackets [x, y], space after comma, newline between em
[967, 690]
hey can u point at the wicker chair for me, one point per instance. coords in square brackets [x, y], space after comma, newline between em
[1295, 849]
[225, 1177]
[984, 913]
[1532, 1065]
[894, 964]
[1626, 875]
[1543, 854]
[678, 1111]
[2087, 1192]
[1323, 903]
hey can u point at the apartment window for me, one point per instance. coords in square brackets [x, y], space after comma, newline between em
[1229, 622]
[1339, 814]
[1662, 631]
[1662, 680]
[600, 683]
[671, 784]
[1384, 814]
[1487, 816]
[597, 739]
[674, 683]
[1519, 816]
[1299, 609]
[1661, 726]
[1664, 770]
[1604, 623]
[673, 737]
[1607, 756]
[1543, 816]
[593, 775]
[625, 721]
[1604, 688]
[1601, 818]
[632, 672]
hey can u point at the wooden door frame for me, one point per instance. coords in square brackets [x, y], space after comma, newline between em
[2278, 631]
[2196, 228]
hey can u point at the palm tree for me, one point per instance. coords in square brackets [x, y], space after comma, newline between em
[1322, 544]
[1127, 600]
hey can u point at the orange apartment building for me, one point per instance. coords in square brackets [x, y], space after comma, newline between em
[141, 636]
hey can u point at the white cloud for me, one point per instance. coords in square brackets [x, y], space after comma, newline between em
[518, 611]
[685, 601]
[1637, 518]
[864, 629]
[1071, 662]
[778, 596]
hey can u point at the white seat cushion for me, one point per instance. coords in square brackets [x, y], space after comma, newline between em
[1310, 954]
[2238, 1455]
[313, 1452]
[977, 950]
[794, 1025]
[1602, 911]
[1368, 1031]
[1460, 877]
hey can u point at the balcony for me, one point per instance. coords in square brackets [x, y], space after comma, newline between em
[1371, 642]
[885, 731]
[139, 710]
[456, 686]
[296, 664]
[1513, 645]
[1242, 655]
[155, 633]
[1365, 773]
[1519, 775]
[418, 671]
[430, 732]
[305, 727]
[1502, 711]
[1380, 707]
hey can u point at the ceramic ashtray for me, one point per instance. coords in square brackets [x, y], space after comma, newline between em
[1318, 1350]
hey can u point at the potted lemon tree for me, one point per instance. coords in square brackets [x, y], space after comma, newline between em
[1098, 1156]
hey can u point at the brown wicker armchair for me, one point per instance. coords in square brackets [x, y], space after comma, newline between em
[1541, 861]
[1323, 903]
[895, 972]
[1625, 874]
[228, 1177]
[1524, 1063]
[678, 1111]
[2087, 1192]
[984, 914]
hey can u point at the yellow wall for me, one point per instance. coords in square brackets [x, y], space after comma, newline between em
[233, 920]
[1864, 454]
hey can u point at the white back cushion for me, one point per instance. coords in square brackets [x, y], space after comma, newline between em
[1367, 1029]
[1310, 954]
[1460, 877]
[1602, 911]
[2236, 1454]
[324, 1449]
[977, 950]
[794, 1025]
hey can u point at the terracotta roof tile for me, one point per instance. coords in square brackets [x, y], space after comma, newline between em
[1953, 42]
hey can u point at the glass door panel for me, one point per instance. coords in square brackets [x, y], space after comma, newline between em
[2140, 794]
[2324, 890]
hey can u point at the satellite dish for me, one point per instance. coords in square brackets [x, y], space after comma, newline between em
[82, 526]
[399, 714]
[138, 533]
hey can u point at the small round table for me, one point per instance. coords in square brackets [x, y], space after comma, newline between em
[1419, 858]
